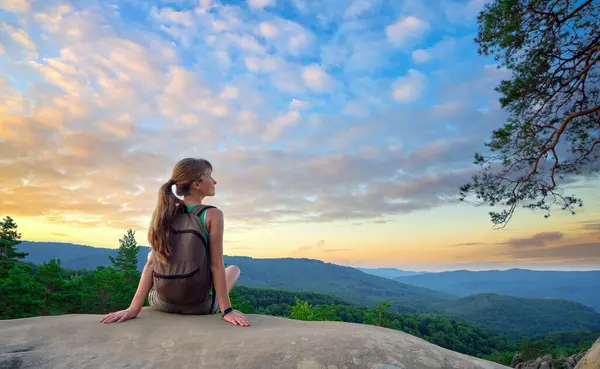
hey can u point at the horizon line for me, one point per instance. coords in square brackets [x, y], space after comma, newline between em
[423, 271]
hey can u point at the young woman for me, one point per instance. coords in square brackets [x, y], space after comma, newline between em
[193, 181]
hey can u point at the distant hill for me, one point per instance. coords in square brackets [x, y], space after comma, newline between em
[346, 282]
[521, 316]
[389, 273]
[576, 286]
[285, 273]
[74, 256]
[499, 314]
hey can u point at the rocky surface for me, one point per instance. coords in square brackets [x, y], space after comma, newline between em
[592, 359]
[589, 359]
[548, 362]
[160, 340]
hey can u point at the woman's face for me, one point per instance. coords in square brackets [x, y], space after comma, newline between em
[205, 187]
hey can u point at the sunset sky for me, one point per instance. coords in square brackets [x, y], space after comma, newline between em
[339, 130]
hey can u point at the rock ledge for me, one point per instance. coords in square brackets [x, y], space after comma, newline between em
[160, 340]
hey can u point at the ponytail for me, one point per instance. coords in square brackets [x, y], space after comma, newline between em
[185, 172]
[159, 234]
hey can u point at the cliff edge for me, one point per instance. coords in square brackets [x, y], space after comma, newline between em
[592, 359]
[159, 340]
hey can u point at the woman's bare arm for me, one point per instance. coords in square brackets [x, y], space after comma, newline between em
[144, 286]
[215, 225]
[138, 300]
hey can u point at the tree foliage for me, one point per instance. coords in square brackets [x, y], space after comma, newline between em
[378, 316]
[552, 134]
[9, 239]
[302, 310]
[126, 260]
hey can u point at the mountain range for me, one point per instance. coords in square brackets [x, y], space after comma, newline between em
[570, 285]
[509, 315]
[389, 273]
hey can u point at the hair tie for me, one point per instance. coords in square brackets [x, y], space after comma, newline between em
[170, 184]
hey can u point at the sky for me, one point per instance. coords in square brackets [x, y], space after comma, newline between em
[338, 130]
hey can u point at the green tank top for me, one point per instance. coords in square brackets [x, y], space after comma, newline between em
[202, 219]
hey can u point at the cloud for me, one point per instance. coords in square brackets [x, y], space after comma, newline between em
[590, 226]
[16, 6]
[441, 50]
[537, 240]
[275, 128]
[268, 30]
[296, 104]
[410, 87]
[11, 101]
[407, 31]
[569, 247]
[358, 47]
[593, 227]
[20, 43]
[285, 76]
[587, 252]
[229, 92]
[287, 37]
[421, 56]
[54, 18]
[468, 244]
[462, 12]
[120, 127]
[356, 8]
[316, 78]
[169, 15]
[260, 4]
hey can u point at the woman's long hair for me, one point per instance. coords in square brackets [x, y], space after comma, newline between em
[185, 172]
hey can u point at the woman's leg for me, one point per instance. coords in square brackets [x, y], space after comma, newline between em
[232, 273]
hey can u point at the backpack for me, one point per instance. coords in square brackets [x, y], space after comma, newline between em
[186, 278]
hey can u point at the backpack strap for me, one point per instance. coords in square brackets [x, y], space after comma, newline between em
[198, 209]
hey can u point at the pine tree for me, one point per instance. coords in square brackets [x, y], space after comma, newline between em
[102, 291]
[127, 257]
[9, 239]
[57, 297]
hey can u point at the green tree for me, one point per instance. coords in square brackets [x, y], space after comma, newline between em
[9, 239]
[239, 302]
[20, 295]
[378, 316]
[126, 260]
[325, 313]
[553, 101]
[102, 291]
[57, 296]
[302, 311]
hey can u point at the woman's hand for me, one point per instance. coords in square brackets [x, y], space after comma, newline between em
[120, 316]
[236, 318]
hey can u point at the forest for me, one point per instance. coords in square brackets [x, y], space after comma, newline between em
[29, 290]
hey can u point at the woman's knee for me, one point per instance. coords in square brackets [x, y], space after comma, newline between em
[233, 270]
[232, 273]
